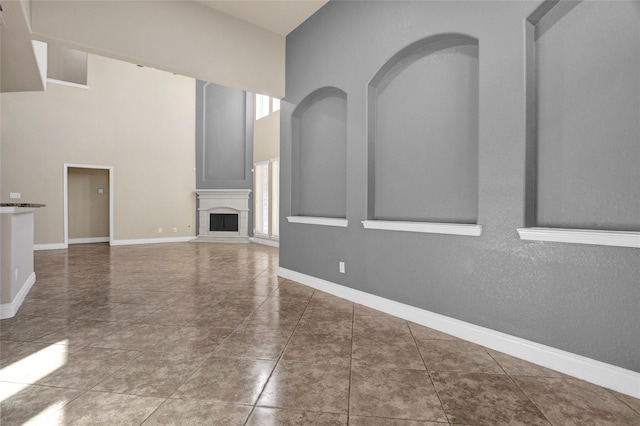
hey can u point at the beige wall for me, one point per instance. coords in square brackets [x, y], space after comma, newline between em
[138, 120]
[184, 37]
[266, 138]
[88, 208]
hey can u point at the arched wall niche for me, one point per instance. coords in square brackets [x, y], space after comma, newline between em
[423, 133]
[319, 151]
[583, 105]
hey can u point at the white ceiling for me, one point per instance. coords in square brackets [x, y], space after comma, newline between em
[278, 16]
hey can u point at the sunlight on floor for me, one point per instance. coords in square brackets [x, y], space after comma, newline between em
[30, 370]
[53, 415]
[35, 366]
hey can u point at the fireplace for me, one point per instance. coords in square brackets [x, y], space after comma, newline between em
[223, 215]
[223, 222]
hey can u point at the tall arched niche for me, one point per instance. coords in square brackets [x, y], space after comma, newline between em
[423, 133]
[319, 151]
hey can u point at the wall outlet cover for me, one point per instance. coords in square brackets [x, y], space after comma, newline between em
[14, 195]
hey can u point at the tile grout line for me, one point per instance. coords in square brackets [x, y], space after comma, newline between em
[428, 372]
[353, 319]
[284, 348]
[518, 386]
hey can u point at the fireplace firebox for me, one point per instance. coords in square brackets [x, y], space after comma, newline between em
[223, 222]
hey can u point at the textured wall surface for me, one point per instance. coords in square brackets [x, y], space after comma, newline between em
[579, 298]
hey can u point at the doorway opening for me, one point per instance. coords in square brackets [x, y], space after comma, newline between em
[88, 204]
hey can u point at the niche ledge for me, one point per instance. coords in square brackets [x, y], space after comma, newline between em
[314, 220]
[582, 236]
[470, 230]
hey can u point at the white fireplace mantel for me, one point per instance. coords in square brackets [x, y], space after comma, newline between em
[215, 201]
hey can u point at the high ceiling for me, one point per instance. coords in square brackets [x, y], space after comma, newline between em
[227, 39]
[279, 16]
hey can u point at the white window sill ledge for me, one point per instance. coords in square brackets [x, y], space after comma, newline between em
[425, 227]
[582, 236]
[323, 221]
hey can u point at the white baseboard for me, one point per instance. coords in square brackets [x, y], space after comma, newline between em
[593, 371]
[152, 241]
[88, 240]
[9, 310]
[55, 246]
[265, 242]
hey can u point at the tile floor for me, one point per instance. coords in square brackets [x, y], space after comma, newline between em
[191, 334]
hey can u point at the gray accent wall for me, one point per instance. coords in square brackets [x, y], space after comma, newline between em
[584, 299]
[224, 139]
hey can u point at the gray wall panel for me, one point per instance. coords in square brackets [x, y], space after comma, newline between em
[579, 298]
[224, 139]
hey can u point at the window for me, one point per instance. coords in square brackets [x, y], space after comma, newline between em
[265, 105]
[262, 106]
[262, 198]
[267, 199]
[275, 197]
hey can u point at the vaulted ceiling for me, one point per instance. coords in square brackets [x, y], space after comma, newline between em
[234, 43]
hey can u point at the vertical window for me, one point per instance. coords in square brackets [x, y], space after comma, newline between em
[276, 105]
[262, 198]
[275, 197]
[262, 106]
[267, 199]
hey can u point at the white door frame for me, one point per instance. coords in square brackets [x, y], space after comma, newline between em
[66, 198]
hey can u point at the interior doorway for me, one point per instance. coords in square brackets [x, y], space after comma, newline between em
[88, 204]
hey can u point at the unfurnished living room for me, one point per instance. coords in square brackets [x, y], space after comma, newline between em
[320, 212]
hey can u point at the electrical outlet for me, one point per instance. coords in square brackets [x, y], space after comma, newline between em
[14, 195]
[341, 267]
[100, 190]
[159, 230]
[175, 229]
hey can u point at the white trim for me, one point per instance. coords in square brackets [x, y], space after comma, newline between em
[88, 240]
[152, 241]
[264, 242]
[54, 246]
[597, 372]
[65, 197]
[471, 230]
[9, 310]
[67, 83]
[582, 236]
[314, 220]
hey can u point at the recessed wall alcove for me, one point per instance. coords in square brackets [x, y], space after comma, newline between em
[319, 150]
[423, 134]
[583, 122]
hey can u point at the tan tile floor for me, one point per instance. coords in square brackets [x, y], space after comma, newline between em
[192, 334]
